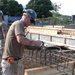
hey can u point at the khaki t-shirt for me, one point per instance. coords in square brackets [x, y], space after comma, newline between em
[12, 47]
[3, 26]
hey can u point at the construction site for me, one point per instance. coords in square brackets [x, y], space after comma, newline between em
[57, 55]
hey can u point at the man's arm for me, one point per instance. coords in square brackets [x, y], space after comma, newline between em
[4, 34]
[4, 29]
[22, 40]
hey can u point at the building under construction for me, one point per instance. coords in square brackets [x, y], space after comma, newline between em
[56, 56]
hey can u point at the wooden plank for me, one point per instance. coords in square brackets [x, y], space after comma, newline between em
[46, 70]
[60, 44]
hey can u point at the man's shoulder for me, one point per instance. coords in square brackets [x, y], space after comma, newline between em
[16, 22]
[3, 22]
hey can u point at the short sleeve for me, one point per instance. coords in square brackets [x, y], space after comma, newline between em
[4, 26]
[19, 29]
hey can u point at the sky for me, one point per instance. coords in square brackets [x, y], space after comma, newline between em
[67, 6]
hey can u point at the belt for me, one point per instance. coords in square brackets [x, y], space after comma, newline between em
[15, 59]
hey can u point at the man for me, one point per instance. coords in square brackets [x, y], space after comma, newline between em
[15, 42]
[3, 31]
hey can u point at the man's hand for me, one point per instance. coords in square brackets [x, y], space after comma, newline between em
[37, 43]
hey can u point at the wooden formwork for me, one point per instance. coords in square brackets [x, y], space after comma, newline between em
[53, 36]
[46, 70]
[52, 32]
[63, 68]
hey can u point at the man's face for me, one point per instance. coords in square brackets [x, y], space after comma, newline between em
[27, 21]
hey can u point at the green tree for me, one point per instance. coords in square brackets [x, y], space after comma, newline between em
[42, 7]
[11, 7]
[56, 7]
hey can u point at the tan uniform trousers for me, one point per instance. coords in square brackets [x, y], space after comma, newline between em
[1, 46]
[12, 69]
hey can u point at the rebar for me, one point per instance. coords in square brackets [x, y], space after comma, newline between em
[50, 56]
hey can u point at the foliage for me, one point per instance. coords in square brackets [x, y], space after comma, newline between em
[56, 6]
[11, 7]
[42, 7]
[60, 19]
